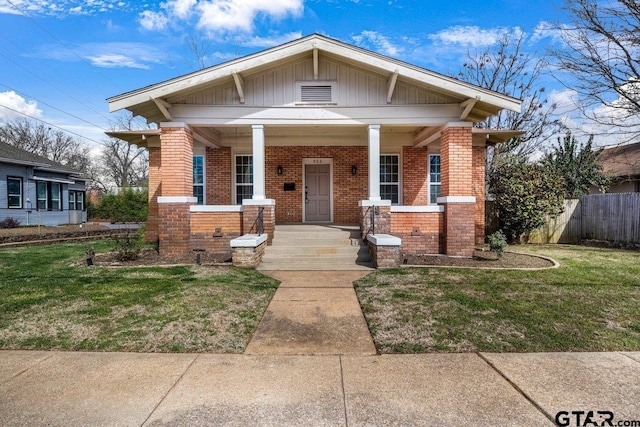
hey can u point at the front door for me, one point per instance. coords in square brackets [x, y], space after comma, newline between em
[317, 193]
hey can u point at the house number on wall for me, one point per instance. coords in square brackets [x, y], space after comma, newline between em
[317, 161]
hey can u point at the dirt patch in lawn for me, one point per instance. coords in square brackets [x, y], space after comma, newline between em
[150, 257]
[480, 259]
[29, 234]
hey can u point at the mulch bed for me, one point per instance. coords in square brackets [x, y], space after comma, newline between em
[481, 259]
[26, 234]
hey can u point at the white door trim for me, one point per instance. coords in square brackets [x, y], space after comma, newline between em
[316, 161]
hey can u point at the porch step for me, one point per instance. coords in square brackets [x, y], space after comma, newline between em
[316, 247]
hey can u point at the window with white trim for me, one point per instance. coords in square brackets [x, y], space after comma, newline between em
[76, 200]
[41, 195]
[244, 178]
[198, 178]
[389, 178]
[56, 196]
[434, 178]
[14, 193]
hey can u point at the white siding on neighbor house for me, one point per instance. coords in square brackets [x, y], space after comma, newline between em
[277, 87]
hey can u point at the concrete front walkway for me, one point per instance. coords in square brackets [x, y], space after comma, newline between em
[313, 313]
[125, 389]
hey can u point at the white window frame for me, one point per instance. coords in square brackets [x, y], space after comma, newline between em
[398, 183]
[235, 178]
[204, 179]
[39, 199]
[438, 183]
[78, 200]
[57, 201]
[9, 195]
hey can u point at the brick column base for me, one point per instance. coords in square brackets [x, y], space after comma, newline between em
[459, 229]
[174, 230]
[382, 220]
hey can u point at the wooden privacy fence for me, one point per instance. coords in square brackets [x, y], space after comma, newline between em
[608, 217]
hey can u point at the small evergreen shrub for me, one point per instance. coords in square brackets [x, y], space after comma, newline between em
[498, 243]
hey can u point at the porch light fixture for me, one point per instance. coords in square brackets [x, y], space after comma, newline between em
[279, 170]
[354, 170]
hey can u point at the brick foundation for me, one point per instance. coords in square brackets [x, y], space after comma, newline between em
[384, 256]
[459, 229]
[250, 220]
[174, 231]
[248, 257]
[421, 233]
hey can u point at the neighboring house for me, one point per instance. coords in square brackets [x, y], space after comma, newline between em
[622, 164]
[315, 131]
[37, 191]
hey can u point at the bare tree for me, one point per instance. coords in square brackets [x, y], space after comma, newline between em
[121, 164]
[601, 51]
[505, 68]
[43, 141]
[199, 48]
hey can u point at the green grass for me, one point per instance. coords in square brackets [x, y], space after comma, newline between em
[590, 303]
[50, 300]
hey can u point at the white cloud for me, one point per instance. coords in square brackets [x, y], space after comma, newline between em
[153, 21]
[273, 40]
[220, 16]
[546, 30]
[59, 8]
[109, 55]
[116, 61]
[471, 36]
[376, 41]
[15, 105]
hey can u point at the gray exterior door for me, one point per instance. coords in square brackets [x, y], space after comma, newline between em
[317, 193]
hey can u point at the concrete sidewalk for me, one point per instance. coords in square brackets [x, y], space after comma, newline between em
[125, 389]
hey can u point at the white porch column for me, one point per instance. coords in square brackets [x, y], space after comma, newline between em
[374, 162]
[258, 163]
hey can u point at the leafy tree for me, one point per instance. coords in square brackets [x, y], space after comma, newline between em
[578, 165]
[601, 49]
[505, 68]
[525, 194]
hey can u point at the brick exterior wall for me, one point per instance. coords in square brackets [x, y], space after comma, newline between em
[421, 233]
[219, 176]
[155, 189]
[382, 220]
[348, 189]
[415, 176]
[479, 165]
[212, 232]
[384, 256]
[457, 180]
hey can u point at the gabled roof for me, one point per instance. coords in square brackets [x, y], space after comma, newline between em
[18, 156]
[489, 100]
[622, 161]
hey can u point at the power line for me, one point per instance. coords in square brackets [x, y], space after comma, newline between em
[55, 108]
[62, 44]
[50, 124]
[53, 86]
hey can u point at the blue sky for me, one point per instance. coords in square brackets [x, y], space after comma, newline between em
[60, 60]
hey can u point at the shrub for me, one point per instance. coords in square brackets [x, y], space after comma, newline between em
[9, 223]
[128, 245]
[127, 206]
[498, 243]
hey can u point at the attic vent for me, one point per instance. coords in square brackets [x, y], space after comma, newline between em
[315, 92]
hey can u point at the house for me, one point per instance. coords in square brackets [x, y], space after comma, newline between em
[38, 191]
[315, 131]
[622, 164]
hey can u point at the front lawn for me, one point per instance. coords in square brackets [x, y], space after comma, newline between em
[50, 300]
[590, 303]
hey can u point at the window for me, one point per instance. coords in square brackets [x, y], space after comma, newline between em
[434, 178]
[76, 200]
[42, 195]
[198, 178]
[14, 192]
[244, 178]
[389, 183]
[55, 204]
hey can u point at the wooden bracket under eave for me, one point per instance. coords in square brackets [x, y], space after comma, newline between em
[163, 106]
[239, 86]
